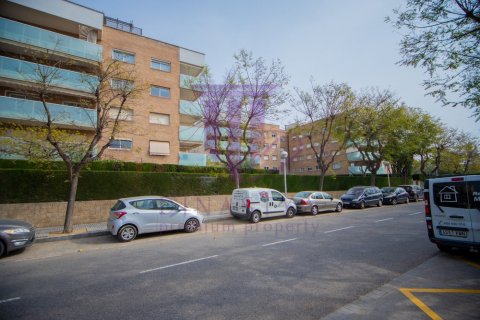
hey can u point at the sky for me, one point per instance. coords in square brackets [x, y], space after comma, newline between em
[342, 41]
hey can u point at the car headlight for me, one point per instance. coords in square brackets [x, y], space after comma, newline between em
[17, 230]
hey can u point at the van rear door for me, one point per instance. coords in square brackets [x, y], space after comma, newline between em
[451, 219]
[473, 184]
[239, 204]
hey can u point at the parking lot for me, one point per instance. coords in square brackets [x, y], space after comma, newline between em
[375, 263]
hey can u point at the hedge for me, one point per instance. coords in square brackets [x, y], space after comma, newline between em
[23, 185]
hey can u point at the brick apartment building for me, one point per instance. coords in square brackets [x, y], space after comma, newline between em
[160, 126]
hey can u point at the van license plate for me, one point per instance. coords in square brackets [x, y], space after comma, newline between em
[453, 233]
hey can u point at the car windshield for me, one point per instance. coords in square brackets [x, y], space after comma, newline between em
[355, 191]
[388, 190]
[303, 194]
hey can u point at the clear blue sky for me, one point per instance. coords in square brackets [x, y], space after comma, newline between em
[344, 41]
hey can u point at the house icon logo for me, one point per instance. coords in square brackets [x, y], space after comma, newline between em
[448, 194]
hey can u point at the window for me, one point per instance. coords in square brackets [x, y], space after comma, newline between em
[160, 65]
[160, 91]
[121, 144]
[123, 56]
[121, 84]
[309, 145]
[146, 204]
[159, 118]
[294, 137]
[277, 196]
[301, 147]
[301, 158]
[274, 158]
[300, 136]
[266, 168]
[265, 145]
[274, 135]
[316, 144]
[274, 146]
[159, 148]
[309, 157]
[294, 148]
[294, 159]
[125, 114]
[337, 166]
[309, 169]
[163, 204]
[265, 157]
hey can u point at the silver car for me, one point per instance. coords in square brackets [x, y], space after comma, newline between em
[15, 235]
[132, 216]
[315, 201]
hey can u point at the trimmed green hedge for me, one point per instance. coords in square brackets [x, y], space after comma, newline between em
[23, 185]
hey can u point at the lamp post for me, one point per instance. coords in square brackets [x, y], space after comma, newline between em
[388, 169]
[284, 156]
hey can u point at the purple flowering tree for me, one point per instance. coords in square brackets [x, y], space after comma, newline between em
[234, 111]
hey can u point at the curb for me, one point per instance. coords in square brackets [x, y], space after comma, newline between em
[42, 239]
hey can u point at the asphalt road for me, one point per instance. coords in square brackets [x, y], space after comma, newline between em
[301, 268]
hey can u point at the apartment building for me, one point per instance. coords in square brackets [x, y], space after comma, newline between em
[274, 142]
[36, 36]
[302, 159]
[159, 126]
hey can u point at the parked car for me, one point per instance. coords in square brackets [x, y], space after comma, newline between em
[15, 235]
[414, 192]
[362, 196]
[132, 216]
[452, 212]
[394, 195]
[257, 203]
[315, 201]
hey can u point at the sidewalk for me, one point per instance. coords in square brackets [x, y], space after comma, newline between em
[100, 229]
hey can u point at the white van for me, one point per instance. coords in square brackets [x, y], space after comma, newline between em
[452, 211]
[258, 203]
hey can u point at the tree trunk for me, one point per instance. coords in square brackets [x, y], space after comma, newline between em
[236, 177]
[322, 179]
[373, 177]
[68, 225]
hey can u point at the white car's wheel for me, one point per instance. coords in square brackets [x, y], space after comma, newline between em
[127, 233]
[191, 225]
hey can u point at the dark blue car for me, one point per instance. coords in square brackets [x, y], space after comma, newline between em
[393, 195]
[362, 196]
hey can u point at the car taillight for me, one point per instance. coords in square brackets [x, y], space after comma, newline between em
[303, 202]
[119, 214]
[248, 203]
[428, 212]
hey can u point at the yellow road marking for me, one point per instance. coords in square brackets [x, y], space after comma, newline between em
[408, 292]
[473, 264]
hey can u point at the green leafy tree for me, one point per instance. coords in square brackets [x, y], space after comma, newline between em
[443, 37]
[371, 127]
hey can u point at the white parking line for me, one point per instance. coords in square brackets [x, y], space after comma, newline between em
[9, 300]
[383, 220]
[339, 229]
[178, 264]
[271, 244]
[415, 213]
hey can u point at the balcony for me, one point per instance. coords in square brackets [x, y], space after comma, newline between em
[23, 71]
[16, 32]
[191, 62]
[357, 170]
[30, 110]
[190, 108]
[192, 159]
[195, 135]
[354, 156]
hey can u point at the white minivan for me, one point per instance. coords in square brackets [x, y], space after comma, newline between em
[257, 203]
[452, 211]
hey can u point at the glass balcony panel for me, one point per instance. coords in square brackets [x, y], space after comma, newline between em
[193, 134]
[186, 80]
[30, 72]
[190, 108]
[24, 33]
[30, 110]
[192, 159]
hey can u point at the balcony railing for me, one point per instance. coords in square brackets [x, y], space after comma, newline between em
[192, 159]
[192, 134]
[122, 25]
[26, 34]
[186, 81]
[30, 110]
[31, 72]
[190, 108]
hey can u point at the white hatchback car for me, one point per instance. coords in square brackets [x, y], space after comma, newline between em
[132, 216]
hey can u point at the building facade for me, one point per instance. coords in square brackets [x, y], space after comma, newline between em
[158, 126]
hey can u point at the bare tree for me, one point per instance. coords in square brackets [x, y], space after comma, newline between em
[110, 86]
[326, 112]
[233, 112]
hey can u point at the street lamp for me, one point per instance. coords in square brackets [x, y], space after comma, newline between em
[388, 169]
[284, 156]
